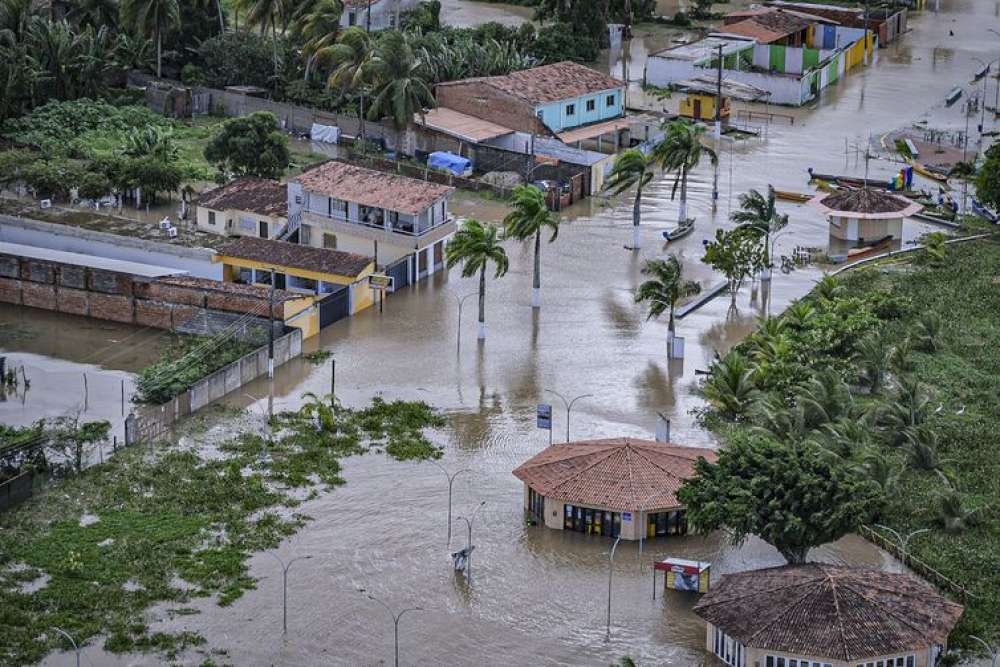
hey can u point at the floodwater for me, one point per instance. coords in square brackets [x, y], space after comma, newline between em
[540, 596]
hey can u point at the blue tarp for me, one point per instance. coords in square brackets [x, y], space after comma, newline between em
[456, 164]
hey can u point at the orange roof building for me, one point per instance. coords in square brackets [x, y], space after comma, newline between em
[615, 487]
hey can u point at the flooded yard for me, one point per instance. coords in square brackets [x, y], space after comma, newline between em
[538, 596]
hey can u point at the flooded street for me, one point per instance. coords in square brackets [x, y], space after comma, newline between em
[539, 596]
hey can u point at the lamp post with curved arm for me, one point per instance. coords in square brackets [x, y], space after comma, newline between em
[569, 405]
[451, 480]
[395, 620]
[611, 571]
[468, 522]
[992, 652]
[76, 647]
[904, 541]
[284, 586]
[461, 302]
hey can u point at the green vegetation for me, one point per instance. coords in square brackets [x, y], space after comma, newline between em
[475, 245]
[632, 169]
[888, 376]
[176, 515]
[988, 178]
[250, 145]
[185, 361]
[664, 288]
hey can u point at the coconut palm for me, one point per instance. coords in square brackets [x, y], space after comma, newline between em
[95, 13]
[901, 360]
[922, 447]
[151, 18]
[664, 289]
[952, 513]
[875, 356]
[828, 288]
[681, 151]
[399, 90]
[928, 333]
[776, 419]
[350, 57]
[910, 408]
[631, 169]
[799, 314]
[730, 388]
[264, 13]
[825, 398]
[316, 26]
[529, 216]
[760, 213]
[474, 246]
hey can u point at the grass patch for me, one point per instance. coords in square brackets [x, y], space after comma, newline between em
[174, 515]
[185, 361]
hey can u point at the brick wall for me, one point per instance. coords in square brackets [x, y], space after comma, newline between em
[478, 99]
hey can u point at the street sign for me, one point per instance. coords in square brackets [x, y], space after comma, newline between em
[381, 281]
[544, 416]
[626, 517]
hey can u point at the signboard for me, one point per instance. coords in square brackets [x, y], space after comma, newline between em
[544, 416]
[381, 281]
[626, 517]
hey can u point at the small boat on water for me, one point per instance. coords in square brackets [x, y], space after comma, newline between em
[787, 195]
[983, 212]
[953, 96]
[680, 231]
[847, 180]
[929, 172]
[880, 246]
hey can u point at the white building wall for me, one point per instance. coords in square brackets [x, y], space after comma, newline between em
[783, 89]
[664, 71]
[762, 56]
[793, 61]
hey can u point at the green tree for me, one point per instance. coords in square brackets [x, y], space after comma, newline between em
[731, 387]
[664, 289]
[736, 254]
[264, 13]
[399, 90]
[874, 358]
[760, 213]
[250, 146]
[530, 215]
[793, 496]
[350, 57]
[988, 179]
[631, 169]
[315, 25]
[681, 151]
[151, 18]
[474, 246]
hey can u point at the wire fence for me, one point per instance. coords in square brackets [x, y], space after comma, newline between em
[915, 564]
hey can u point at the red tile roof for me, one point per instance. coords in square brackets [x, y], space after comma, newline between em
[623, 474]
[768, 27]
[828, 611]
[372, 188]
[257, 195]
[550, 83]
[282, 254]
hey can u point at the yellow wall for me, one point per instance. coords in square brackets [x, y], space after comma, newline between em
[309, 323]
[231, 262]
[707, 106]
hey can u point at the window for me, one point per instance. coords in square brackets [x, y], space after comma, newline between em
[570, 109]
[298, 199]
[211, 217]
[536, 504]
[305, 234]
[591, 105]
[352, 18]
[330, 241]
[263, 229]
[610, 100]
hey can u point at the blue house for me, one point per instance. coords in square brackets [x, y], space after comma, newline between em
[547, 100]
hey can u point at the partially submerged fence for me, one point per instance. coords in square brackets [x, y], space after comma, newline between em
[915, 564]
[148, 422]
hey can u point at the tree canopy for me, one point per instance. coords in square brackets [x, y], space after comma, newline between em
[250, 146]
[794, 496]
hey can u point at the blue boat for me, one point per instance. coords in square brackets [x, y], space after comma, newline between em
[986, 214]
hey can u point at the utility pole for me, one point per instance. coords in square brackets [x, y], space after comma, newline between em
[270, 330]
[867, 58]
[468, 522]
[718, 102]
[611, 571]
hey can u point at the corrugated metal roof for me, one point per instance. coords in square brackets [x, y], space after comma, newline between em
[457, 124]
[89, 261]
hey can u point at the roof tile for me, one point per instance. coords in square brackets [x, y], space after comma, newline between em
[295, 256]
[369, 187]
[550, 83]
[257, 195]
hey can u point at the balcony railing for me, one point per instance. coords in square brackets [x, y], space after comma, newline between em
[407, 229]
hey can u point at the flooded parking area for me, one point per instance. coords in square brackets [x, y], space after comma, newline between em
[539, 596]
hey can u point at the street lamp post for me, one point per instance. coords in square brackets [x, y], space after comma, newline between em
[76, 647]
[904, 541]
[461, 302]
[395, 620]
[284, 587]
[992, 652]
[451, 479]
[468, 522]
[569, 406]
[611, 571]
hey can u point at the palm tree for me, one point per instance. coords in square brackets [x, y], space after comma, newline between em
[929, 332]
[828, 288]
[760, 213]
[952, 513]
[664, 289]
[95, 13]
[825, 397]
[681, 151]
[350, 57]
[632, 169]
[530, 215]
[151, 18]
[731, 388]
[264, 13]
[400, 91]
[875, 356]
[316, 25]
[475, 245]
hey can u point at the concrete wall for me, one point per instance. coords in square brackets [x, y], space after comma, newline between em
[195, 261]
[231, 222]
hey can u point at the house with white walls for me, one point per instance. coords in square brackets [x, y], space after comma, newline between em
[375, 15]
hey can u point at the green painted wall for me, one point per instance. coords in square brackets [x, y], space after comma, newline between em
[777, 58]
[810, 58]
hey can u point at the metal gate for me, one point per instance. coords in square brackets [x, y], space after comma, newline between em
[335, 306]
[201, 104]
[400, 272]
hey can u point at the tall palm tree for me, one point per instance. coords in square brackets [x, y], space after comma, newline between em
[315, 25]
[760, 213]
[399, 89]
[151, 18]
[475, 245]
[530, 215]
[264, 13]
[351, 56]
[96, 13]
[664, 288]
[681, 151]
[632, 169]
[731, 387]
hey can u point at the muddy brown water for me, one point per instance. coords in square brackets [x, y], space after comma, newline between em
[539, 596]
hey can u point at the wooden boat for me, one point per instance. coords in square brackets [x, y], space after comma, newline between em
[981, 72]
[926, 172]
[680, 231]
[937, 219]
[854, 254]
[848, 180]
[787, 195]
[983, 212]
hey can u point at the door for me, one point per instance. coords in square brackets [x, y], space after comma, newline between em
[336, 306]
[438, 255]
[422, 263]
[697, 108]
[263, 229]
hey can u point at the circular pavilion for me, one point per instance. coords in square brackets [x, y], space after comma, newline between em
[818, 615]
[865, 215]
[616, 487]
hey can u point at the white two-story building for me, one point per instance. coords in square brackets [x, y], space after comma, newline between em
[402, 222]
[374, 15]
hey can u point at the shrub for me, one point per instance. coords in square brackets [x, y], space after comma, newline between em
[558, 41]
[243, 58]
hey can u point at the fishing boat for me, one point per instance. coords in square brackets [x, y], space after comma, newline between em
[929, 215]
[787, 195]
[983, 212]
[848, 180]
[854, 254]
[680, 231]
[928, 172]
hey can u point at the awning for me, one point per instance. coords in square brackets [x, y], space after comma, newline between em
[461, 126]
[734, 89]
[595, 130]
